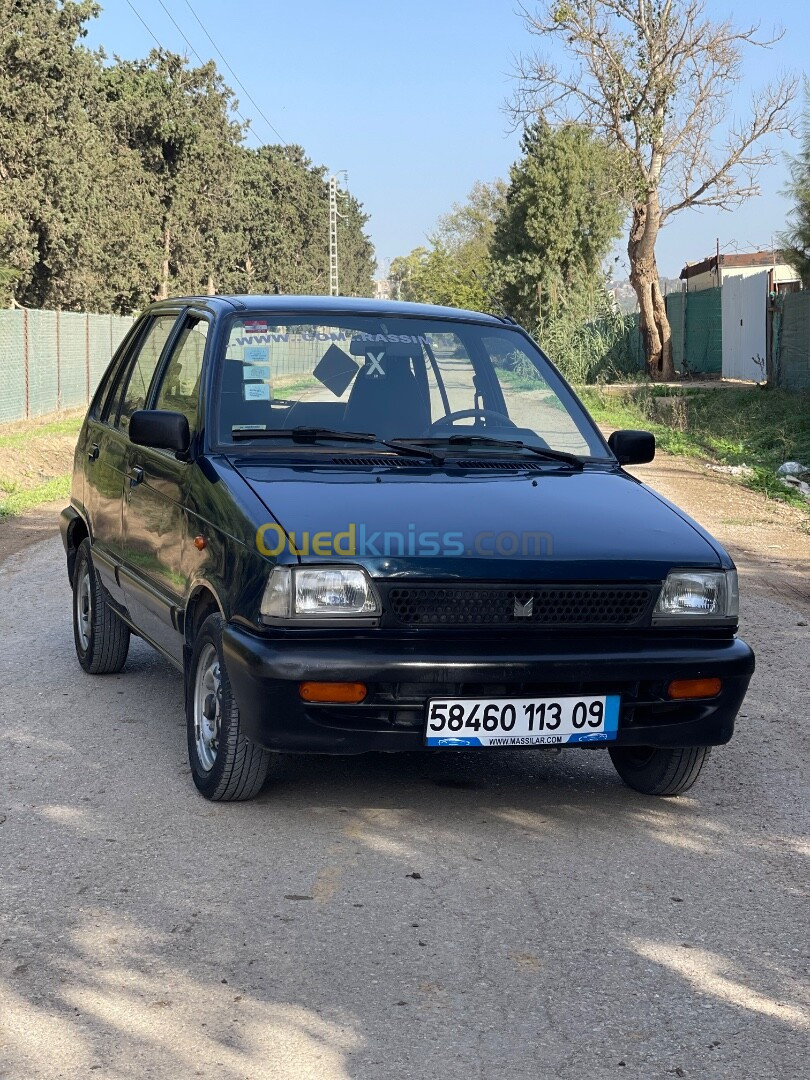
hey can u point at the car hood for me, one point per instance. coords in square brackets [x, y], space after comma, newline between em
[596, 525]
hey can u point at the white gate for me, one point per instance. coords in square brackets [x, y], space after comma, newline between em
[744, 300]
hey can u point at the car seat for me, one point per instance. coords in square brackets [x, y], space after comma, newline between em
[386, 398]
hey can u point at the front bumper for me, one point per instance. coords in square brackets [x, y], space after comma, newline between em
[402, 673]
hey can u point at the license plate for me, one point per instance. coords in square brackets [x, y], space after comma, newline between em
[522, 721]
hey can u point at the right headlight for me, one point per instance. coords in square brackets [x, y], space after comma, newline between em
[691, 595]
[303, 592]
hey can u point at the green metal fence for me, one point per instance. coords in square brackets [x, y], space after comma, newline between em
[53, 360]
[791, 339]
[696, 320]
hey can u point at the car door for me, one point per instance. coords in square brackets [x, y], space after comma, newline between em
[106, 445]
[153, 574]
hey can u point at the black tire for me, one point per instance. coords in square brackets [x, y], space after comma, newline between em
[100, 637]
[659, 770]
[225, 766]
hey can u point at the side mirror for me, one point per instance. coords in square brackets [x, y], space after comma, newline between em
[632, 447]
[160, 429]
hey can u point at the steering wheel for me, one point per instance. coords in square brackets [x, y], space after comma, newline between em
[449, 420]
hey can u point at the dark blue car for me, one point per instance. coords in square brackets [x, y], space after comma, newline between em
[359, 525]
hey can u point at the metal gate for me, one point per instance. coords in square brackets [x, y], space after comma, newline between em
[744, 302]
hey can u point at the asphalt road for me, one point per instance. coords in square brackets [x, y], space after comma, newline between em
[456, 916]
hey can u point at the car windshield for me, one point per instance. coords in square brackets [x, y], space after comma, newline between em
[452, 384]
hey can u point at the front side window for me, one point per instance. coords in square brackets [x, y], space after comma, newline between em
[180, 385]
[402, 378]
[143, 368]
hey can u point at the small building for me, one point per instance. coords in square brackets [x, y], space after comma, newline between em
[382, 289]
[711, 272]
[722, 320]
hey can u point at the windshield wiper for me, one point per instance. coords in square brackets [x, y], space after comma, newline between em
[312, 435]
[302, 434]
[508, 444]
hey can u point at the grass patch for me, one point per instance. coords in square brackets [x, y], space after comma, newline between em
[16, 500]
[755, 427]
[64, 426]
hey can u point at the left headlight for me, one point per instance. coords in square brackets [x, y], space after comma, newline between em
[334, 591]
[695, 594]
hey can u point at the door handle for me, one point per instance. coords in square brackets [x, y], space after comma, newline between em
[92, 453]
[135, 475]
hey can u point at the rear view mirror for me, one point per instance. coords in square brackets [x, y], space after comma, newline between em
[632, 447]
[160, 429]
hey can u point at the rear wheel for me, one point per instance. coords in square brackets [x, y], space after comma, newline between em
[659, 770]
[226, 766]
[101, 638]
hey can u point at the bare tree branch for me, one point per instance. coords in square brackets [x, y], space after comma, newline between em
[655, 78]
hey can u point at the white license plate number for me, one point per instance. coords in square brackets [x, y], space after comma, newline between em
[555, 721]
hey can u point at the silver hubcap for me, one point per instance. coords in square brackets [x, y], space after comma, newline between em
[207, 706]
[84, 609]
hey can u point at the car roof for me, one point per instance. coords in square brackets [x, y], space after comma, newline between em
[332, 305]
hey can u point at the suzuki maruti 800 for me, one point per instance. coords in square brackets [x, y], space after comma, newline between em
[371, 526]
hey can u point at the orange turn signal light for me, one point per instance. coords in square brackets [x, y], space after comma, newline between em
[680, 689]
[333, 693]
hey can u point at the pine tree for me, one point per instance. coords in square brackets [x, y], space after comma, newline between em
[564, 209]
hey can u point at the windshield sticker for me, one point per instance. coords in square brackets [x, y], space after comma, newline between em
[335, 370]
[256, 354]
[249, 427]
[276, 338]
[257, 391]
[374, 365]
[255, 373]
[394, 339]
[255, 326]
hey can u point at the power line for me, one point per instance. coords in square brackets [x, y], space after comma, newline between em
[163, 49]
[146, 25]
[244, 119]
[236, 77]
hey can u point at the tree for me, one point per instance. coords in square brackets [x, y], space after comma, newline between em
[655, 79]
[278, 226]
[404, 272]
[48, 146]
[127, 181]
[178, 120]
[456, 269]
[563, 210]
[795, 242]
[355, 250]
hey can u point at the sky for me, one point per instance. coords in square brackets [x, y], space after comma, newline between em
[408, 97]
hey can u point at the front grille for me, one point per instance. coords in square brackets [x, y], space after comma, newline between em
[547, 606]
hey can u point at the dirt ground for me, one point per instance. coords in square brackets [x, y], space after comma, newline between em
[769, 540]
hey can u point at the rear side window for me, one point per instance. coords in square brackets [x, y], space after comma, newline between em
[135, 385]
[180, 386]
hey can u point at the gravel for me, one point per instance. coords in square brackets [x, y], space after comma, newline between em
[514, 914]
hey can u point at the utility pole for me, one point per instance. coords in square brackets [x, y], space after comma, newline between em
[333, 251]
[334, 214]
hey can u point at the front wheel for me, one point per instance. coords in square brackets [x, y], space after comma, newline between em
[226, 766]
[659, 770]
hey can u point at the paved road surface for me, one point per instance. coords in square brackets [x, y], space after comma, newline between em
[386, 918]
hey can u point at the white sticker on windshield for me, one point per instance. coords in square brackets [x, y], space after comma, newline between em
[257, 391]
[255, 373]
[256, 354]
